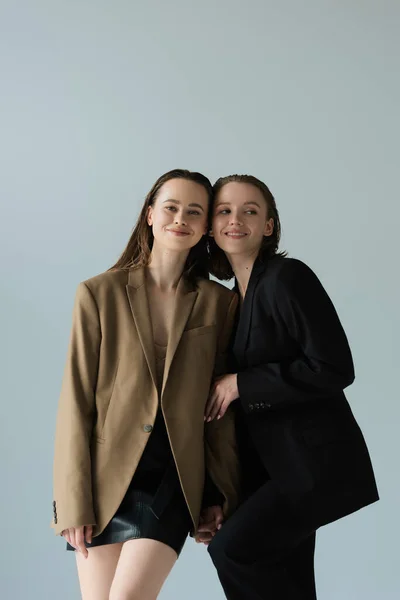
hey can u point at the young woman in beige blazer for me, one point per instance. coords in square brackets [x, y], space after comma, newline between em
[134, 462]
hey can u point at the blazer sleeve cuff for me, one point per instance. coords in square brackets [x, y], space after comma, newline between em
[249, 401]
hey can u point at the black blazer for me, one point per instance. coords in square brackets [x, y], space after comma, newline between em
[293, 362]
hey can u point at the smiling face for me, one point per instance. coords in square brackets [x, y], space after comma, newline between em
[240, 219]
[178, 216]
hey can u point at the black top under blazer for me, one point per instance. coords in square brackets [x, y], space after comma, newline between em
[293, 362]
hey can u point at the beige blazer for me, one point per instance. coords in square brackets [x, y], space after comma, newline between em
[109, 397]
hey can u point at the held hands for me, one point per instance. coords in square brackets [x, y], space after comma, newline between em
[76, 537]
[223, 391]
[211, 519]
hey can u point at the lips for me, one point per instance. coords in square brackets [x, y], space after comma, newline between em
[178, 232]
[235, 234]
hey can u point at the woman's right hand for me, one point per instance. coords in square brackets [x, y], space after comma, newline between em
[211, 520]
[76, 537]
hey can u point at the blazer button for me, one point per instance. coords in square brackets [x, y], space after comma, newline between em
[148, 428]
[262, 404]
[251, 407]
[268, 405]
[257, 405]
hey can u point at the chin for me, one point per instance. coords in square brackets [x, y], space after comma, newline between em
[232, 246]
[177, 247]
[179, 244]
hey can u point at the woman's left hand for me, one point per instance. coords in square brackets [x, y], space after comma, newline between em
[223, 392]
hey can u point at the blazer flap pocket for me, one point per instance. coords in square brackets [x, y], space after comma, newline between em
[313, 437]
[328, 434]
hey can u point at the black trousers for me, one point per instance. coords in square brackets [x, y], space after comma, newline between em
[265, 551]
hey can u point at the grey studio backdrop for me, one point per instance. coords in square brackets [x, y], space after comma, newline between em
[98, 99]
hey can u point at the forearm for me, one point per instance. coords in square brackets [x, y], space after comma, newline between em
[272, 385]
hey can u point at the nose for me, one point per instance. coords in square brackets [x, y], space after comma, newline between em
[180, 218]
[234, 219]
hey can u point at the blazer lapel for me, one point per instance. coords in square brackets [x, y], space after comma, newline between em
[137, 296]
[243, 328]
[185, 298]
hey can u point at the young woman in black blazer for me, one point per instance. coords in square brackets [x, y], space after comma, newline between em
[305, 461]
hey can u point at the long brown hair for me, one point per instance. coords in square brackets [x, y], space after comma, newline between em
[138, 250]
[220, 266]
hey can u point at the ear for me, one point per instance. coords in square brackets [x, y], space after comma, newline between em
[269, 227]
[150, 216]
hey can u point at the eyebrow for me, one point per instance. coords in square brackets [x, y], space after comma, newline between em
[177, 202]
[245, 204]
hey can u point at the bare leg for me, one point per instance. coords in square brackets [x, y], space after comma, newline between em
[96, 573]
[142, 568]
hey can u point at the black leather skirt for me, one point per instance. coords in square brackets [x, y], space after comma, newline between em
[158, 512]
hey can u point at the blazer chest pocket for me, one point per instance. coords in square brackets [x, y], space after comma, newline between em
[267, 342]
[260, 337]
[198, 346]
[195, 331]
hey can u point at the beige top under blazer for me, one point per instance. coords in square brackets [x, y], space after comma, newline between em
[109, 396]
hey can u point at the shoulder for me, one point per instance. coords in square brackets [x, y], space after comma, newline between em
[216, 299]
[106, 279]
[285, 277]
[215, 289]
[287, 272]
[103, 283]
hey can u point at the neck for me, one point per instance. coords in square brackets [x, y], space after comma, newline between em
[242, 266]
[165, 268]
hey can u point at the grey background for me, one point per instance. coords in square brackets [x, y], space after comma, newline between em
[97, 100]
